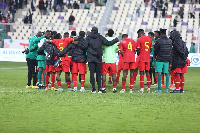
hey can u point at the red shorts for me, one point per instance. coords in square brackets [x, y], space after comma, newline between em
[79, 67]
[50, 68]
[144, 66]
[120, 65]
[128, 65]
[70, 60]
[108, 68]
[65, 66]
[181, 70]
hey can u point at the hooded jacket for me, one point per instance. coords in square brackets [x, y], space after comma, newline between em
[163, 49]
[51, 52]
[94, 42]
[179, 51]
[78, 51]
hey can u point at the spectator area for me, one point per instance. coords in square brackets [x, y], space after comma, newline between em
[122, 20]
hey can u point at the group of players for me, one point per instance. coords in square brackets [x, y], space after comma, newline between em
[155, 54]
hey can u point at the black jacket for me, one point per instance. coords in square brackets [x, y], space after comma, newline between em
[78, 51]
[94, 42]
[51, 50]
[163, 49]
[179, 51]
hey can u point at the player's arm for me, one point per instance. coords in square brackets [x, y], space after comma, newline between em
[82, 44]
[38, 39]
[41, 50]
[108, 43]
[120, 49]
[138, 47]
[65, 50]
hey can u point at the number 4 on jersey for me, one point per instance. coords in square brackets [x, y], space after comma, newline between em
[130, 46]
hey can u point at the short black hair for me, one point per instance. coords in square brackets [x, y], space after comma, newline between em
[66, 33]
[110, 32]
[124, 35]
[73, 33]
[82, 33]
[57, 36]
[141, 31]
[151, 33]
[163, 31]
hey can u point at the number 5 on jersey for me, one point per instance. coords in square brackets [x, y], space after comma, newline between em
[147, 46]
[61, 47]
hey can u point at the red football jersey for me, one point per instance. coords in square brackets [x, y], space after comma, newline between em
[62, 43]
[145, 45]
[128, 46]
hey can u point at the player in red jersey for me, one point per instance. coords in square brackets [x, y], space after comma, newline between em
[144, 46]
[127, 49]
[65, 64]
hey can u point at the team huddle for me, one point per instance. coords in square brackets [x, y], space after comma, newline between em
[153, 54]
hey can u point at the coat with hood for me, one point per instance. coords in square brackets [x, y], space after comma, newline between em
[179, 51]
[51, 52]
[94, 42]
[77, 51]
[163, 49]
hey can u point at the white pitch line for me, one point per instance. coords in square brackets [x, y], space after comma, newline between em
[12, 68]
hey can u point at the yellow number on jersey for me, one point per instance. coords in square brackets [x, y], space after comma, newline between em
[130, 46]
[61, 48]
[147, 46]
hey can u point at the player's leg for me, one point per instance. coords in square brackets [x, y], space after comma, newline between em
[98, 76]
[34, 67]
[166, 72]
[104, 71]
[124, 81]
[119, 70]
[75, 81]
[125, 71]
[141, 69]
[92, 79]
[75, 74]
[68, 81]
[113, 72]
[163, 80]
[82, 71]
[158, 70]
[131, 79]
[177, 83]
[182, 82]
[40, 76]
[182, 78]
[154, 76]
[110, 75]
[47, 78]
[147, 68]
[29, 73]
[135, 74]
[53, 79]
[59, 80]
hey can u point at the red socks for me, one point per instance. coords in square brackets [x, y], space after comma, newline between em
[75, 79]
[141, 81]
[148, 81]
[131, 82]
[52, 79]
[69, 84]
[177, 82]
[182, 82]
[123, 84]
[163, 78]
[104, 85]
[47, 80]
[135, 75]
[156, 79]
[59, 84]
[82, 80]
[114, 85]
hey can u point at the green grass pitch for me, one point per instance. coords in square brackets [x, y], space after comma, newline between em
[29, 110]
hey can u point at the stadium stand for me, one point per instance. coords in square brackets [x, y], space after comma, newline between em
[122, 19]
